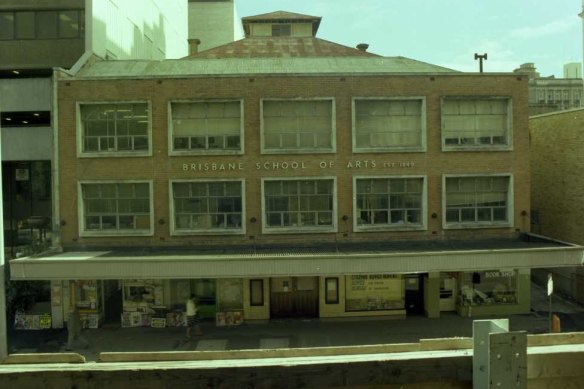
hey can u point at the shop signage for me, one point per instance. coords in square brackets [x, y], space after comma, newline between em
[499, 274]
[294, 165]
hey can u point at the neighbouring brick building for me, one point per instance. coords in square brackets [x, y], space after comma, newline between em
[287, 176]
[557, 160]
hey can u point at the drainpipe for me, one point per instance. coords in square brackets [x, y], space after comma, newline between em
[3, 327]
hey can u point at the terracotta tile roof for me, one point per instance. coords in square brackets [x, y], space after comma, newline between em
[268, 47]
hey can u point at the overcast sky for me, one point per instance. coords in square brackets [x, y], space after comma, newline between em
[449, 32]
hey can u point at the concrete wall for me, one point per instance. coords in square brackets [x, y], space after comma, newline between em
[27, 144]
[25, 94]
[213, 22]
[115, 29]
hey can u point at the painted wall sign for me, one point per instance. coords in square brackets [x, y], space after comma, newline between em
[291, 165]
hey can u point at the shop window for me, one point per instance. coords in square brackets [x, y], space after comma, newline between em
[483, 201]
[215, 207]
[374, 292]
[207, 127]
[115, 208]
[389, 125]
[331, 290]
[299, 205]
[396, 203]
[114, 129]
[297, 126]
[256, 293]
[476, 123]
[488, 287]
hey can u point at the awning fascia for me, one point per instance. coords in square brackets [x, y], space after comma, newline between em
[108, 265]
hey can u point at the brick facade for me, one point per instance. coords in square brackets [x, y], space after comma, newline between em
[343, 164]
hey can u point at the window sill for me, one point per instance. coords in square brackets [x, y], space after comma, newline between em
[207, 232]
[390, 150]
[306, 230]
[115, 154]
[297, 151]
[119, 233]
[465, 226]
[179, 153]
[477, 148]
[387, 227]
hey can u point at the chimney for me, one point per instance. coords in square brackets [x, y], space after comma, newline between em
[363, 46]
[194, 46]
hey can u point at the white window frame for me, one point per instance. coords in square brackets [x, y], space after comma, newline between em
[466, 225]
[299, 230]
[508, 146]
[112, 154]
[333, 148]
[420, 148]
[110, 233]
[210, 231]
[387, 227]
[171, 150]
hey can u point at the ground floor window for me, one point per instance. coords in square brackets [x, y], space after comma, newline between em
[374, 292]
[488, 287]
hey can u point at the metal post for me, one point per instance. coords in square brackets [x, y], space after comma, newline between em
[3, 327]
[499, 356]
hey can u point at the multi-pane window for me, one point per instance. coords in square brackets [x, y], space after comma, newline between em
[297, 125]
[389, 202]
[299, 204]
[206, 126]
[477, 200]
[116, 207]
[113, 128]
[214, 206]
[388, 124]
[42, 24]
[475, 123]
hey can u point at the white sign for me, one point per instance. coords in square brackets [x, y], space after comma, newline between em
[550, 285]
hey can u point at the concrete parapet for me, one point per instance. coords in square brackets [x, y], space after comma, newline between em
[28, 359]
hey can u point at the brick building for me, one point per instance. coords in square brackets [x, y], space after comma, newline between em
[557, 159]
[287, 176]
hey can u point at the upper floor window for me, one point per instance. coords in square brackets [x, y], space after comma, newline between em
[207, 207]
[297, 126]
[113, 208]
[477, 201]
[207, 127]
[470, 123]
[58, 24]
[389, 203]
[281, 30]
[389, 125]
[299, 205]
[114, 128]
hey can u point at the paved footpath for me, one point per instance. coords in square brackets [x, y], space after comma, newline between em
[294, 333]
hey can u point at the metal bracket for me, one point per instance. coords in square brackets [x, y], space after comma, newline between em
[499, 356]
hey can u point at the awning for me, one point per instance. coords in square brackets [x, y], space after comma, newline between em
[147, 263]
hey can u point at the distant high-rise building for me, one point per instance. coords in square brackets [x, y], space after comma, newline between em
[573, 70]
